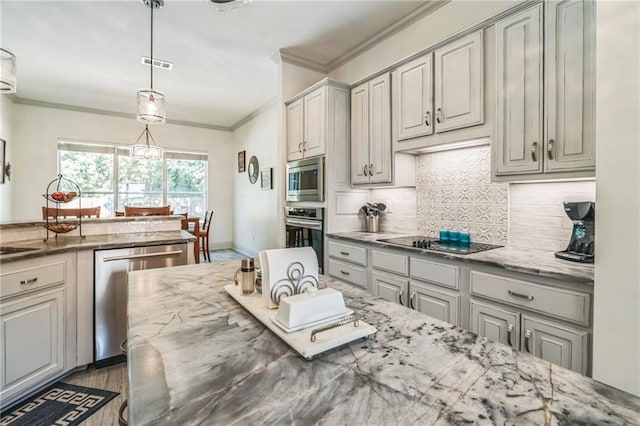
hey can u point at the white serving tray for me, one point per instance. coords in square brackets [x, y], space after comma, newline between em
[276, 321]
[300, 341]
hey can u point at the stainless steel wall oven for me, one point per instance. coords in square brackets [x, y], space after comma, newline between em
[304, 227]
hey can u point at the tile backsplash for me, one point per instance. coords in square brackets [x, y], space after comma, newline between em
[402, 202]
[536, 215]
[455, 192]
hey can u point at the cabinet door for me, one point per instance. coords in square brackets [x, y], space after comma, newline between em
[519, 93]
[569, 48]
[496, 323]
[555, 343]
[295, 129]
[31, 340]
[393, 289]
[413, 94]
[459, 84]
[360, 134]
[435, 302]
[315, 123]
[380, 129]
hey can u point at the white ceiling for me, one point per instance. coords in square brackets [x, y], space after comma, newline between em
[87, 53]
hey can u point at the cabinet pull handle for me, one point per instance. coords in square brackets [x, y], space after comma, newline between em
[534, 151]
[304, 146]
[427, 118]
[300, 147]
[344, 272]
[400, 297]
[345, 253]
[411, 301]
[29, 281]
[550, 149]
[527, 336]
[520, 295]
[509, 333]
[438, 113]
[365, 170]
[370, 169]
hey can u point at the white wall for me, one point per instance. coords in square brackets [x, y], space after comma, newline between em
[431, 29]
[36, 131]
[255, 225]
[616, 333]
[6, 133]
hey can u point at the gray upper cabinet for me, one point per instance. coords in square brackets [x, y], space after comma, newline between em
[459, 91]
[413, 95]
[563, 105]
[371, 131]
[570, 85]
[519, 92]
[306, 125]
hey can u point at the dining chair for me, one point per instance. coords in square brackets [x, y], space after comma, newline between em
[204, 234]
[53, 212]
[147, 211]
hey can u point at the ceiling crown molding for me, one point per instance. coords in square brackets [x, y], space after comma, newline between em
[254, 114]
[402, 23]
[33, 102]
[283, 56]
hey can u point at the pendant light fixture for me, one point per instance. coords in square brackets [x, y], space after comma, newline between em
[151, 107]
[224, 5]
[7, 71]
[146, 150]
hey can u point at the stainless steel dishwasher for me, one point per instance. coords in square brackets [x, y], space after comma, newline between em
[110, 292]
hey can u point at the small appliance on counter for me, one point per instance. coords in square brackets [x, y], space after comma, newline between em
[581, 247]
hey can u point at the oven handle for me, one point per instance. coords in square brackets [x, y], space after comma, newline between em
[311, 224]
[142, 255]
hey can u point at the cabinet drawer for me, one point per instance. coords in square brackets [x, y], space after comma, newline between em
[391, 262]
[32, 275]
[433, 272]
[557, 302]
[346, 272]
[348, 252]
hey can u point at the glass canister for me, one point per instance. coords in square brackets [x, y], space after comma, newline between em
[247, 278]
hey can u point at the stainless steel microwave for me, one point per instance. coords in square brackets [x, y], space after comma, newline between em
[305, 180]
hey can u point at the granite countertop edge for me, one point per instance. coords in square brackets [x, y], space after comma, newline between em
[529, 261]
[92, 242]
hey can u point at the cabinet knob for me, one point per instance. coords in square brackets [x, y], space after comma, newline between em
[534, 151]
[438, 115]
[370, 169]
[550, 149]
[527, 337]
[509, 333]
[400, 297]
[427, 118]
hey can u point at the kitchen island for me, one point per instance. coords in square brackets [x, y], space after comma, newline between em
[197, 357]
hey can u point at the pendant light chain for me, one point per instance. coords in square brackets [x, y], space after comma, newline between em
[151, 65]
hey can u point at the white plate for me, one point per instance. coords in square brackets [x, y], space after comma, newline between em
[310, 324]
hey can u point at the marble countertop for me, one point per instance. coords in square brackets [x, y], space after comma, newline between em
[116, 219]
[197, 357]
[530, 261]
[92, 242]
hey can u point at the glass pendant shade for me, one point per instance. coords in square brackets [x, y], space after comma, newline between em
[151, 107]
[8, 70]
[146, 150]
[224, 5]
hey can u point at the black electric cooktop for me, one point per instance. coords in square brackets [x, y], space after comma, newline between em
[430, 243]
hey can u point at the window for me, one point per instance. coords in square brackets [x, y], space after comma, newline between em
[108, 177]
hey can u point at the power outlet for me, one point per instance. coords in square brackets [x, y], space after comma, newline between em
[389, 205]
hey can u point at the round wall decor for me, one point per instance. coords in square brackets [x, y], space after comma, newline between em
[253, 170]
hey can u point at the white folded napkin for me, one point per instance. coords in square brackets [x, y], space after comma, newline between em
[286, 272]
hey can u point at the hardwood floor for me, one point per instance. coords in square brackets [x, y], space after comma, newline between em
[114, 378]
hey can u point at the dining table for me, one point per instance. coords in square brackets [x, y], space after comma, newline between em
[191, 224]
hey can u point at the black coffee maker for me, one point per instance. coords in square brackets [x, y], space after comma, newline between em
[581, 247]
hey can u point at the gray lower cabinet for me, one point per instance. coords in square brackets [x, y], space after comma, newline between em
[389, 287]
[542, 338]
[435, 302]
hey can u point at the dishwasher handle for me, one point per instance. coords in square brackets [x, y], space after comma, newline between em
[141, 256]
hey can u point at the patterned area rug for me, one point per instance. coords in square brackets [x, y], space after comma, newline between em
[60, 404]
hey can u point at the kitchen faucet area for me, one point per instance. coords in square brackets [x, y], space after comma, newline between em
[275, 212]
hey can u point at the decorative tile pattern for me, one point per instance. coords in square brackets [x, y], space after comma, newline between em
[454, 191]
